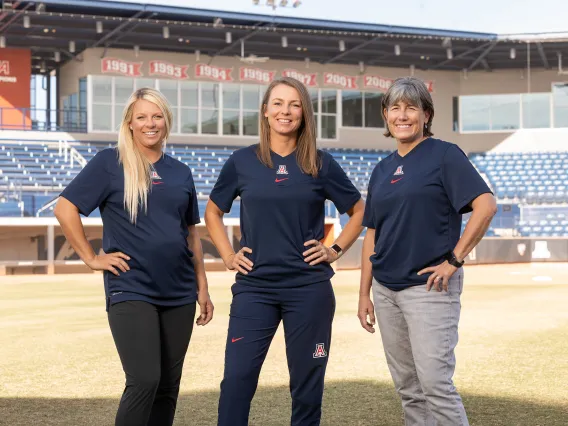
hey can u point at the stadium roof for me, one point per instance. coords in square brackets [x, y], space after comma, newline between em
[47, 27]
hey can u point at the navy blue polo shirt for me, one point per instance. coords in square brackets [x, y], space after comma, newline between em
[281, 209]
[415, 204]
[161, 268]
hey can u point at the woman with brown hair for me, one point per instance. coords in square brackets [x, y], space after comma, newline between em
[283, 270]
[152, 261]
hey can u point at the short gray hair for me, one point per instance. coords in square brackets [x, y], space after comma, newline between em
[414, 92]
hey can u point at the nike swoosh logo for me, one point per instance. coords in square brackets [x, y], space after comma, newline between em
[280, 180]
[233, 340]
[157, 183]
[395, 180]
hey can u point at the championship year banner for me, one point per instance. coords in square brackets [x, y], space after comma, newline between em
[383, 83]
[256, 75]
[342, 81]
[214, 73]
[167, 69]
[119, 66]
[309, 80]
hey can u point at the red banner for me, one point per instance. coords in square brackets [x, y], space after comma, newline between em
[383, 83]
[15, 75]
[310, 80]
[340, 80]
[257, 75]
[118, 66]
[168, 69]
[212, 72]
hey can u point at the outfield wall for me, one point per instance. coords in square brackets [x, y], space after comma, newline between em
[37, 245]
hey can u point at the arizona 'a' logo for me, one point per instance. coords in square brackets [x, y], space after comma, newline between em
[320, 351]
[282, 170]
[398, 171]
[154, 175]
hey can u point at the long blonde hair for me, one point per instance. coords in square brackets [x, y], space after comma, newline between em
[306, 150]
[137, 168]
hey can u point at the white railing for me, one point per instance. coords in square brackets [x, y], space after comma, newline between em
[68, 151]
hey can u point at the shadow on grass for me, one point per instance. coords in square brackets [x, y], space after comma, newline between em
[345, 403]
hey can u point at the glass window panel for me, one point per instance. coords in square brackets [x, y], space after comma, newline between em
[373, 113]
[210, 95]
[251, 97]
[329, 101]
[209, 120]
[102, 116]
[145, 82]
[230, 122]
[475, 112]
[175, 120]
[188, 93]
[118, 110]
[328, 127]
[505, 112]
[102, 89]
[123, 88]
[250, 123]
[188, 120]
[536, 110]
[560, 102]
[352, 103]
[231, 96]
[314, 97]
[169, 89]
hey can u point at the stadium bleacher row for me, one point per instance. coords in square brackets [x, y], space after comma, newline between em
[40, 171]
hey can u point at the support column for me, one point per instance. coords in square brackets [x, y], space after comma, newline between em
[50, 249]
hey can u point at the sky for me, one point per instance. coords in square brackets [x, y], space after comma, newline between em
[491, 16]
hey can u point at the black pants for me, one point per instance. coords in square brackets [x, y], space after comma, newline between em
[152, 342]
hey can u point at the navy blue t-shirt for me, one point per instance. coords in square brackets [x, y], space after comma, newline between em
[281, 209]
[415, 204]
[161, 268]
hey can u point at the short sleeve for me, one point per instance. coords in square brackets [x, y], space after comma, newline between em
[461, 181]
[368, 216]
[192, 214]
[89, 189]
[226, 188]
[339, 188]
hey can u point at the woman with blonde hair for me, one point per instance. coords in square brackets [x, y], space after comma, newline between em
[283, 270]
[152, 260]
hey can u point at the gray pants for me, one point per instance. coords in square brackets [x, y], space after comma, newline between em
[419, 330]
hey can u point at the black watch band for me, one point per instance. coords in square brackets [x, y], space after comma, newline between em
[338, 250]
[453, 260]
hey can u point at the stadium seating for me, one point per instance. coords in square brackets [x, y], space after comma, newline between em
[517, 179]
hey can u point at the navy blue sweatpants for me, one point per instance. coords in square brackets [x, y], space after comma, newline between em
[307, 313]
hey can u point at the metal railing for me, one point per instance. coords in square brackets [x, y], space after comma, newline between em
[46, 120]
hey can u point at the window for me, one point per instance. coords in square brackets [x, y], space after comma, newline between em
[101, 109]
[123, 88]
[328, 114]
[169, 89]
[362, 109]
[189, 107]
[560, 104]
[536, 110]
[231, 109]
[251, 107]
[209, 108]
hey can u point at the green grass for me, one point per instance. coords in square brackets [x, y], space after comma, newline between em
[59, 366]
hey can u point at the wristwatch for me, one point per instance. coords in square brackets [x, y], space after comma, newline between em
[453, 260]
[337, 250]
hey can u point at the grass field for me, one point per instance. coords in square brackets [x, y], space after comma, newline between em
[59, 366]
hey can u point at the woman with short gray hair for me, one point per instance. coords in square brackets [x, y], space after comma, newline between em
[415, 201]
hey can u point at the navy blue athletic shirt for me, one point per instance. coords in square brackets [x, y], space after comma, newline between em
[161, 268]
[415, 204]
[281, 208]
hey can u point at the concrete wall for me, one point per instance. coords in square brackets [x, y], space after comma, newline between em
[446, 85]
